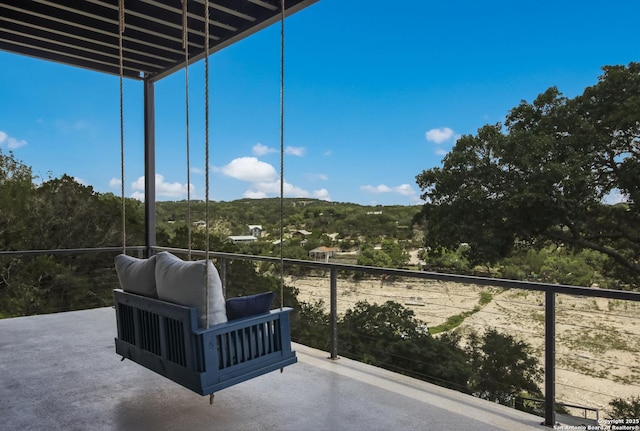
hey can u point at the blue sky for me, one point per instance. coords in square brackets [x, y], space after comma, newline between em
[376, 92]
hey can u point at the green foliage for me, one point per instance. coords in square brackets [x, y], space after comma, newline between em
[389, 255]
[456, 320]
[350, 221]
[16, 188]
[50, 284]
[445, 260]
[544, 176]
[369, 256]
[66, 214]
[485, 297]
[503, 368]
[391, 337]
[557, 265]
[312, 326]
[60, 213]
[452, 322]
[493, 366]
[624, 409]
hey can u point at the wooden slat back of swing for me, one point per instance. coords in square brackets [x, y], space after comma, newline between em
[165, 338]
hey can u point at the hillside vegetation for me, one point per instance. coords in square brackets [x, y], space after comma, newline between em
[352, 222]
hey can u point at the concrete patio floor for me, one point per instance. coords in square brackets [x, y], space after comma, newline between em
[61, 372]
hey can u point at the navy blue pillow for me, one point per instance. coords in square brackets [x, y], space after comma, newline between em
[244, 306]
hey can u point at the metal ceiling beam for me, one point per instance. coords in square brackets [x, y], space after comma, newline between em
[85, 33]
[254, 29]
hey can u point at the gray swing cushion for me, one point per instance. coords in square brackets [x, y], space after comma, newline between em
[183, 282]
[244, 306]
[137, 275]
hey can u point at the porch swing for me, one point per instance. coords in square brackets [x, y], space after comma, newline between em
[162, 323]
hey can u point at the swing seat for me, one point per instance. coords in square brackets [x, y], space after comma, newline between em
[164, 337]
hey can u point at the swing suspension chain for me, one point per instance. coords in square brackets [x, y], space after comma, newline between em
[121, 26]
[206, 98]
[281, 153]
[185, 46]
[206, 148]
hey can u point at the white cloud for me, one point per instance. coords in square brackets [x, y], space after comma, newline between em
[254, 194]
[322, 194]
[80, 181]
[273, 188]
[249, 169]
[260, 150]
[265, 189]
[115, 182]
[196, 171]
[265, 180]
[165, 189]
[295, 151]
[327, 153]
[376, 189]
[403, 189]
[139, 183]
[439, 136]
[10, 142]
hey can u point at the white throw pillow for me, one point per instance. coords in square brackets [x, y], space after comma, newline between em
[137, 275]
[183, 282]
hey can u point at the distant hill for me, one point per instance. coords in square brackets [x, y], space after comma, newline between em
[317, 216]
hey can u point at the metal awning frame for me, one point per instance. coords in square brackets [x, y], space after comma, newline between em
[86, 33]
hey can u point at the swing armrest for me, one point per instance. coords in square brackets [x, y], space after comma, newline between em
[254, 344]
[244, 322]
[157, 307]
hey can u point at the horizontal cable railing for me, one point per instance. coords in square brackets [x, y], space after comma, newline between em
[569, 326]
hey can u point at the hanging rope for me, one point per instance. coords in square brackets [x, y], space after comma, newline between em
[185, 46]
[121, 73]
[206, 148]
[282, 6]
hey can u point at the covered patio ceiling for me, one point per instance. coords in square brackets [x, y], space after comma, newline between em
[85, 33]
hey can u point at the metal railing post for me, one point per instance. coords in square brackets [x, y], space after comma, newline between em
[550, 358]
[333, 344]
[223, 275]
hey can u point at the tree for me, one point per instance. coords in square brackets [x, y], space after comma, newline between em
[311, 327]
[502, 367]
[67, 214]
[389, 255]
[545, 177]
[16, 189]
[390, 336]
[60, 213]
[399, 257]
[624, 409]
[369, 256]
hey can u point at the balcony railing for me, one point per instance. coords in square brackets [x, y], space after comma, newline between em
[546, 296]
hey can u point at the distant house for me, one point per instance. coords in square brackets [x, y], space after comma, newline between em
[255, 230]
[200, 224]
[242, 238]
[322, 253]
[301, 233]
